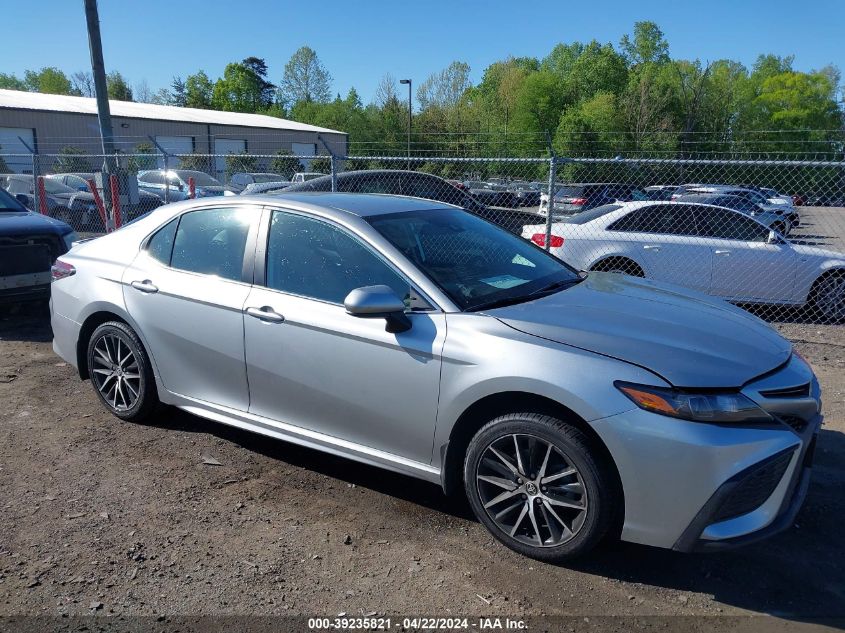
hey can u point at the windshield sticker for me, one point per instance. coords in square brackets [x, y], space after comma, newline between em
[503, 281]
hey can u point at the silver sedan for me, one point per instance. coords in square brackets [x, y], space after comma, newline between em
[414, 336]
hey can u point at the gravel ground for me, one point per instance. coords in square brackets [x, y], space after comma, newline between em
[189, 517]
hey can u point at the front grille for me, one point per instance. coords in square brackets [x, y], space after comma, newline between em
[754, 488]
[24, 259]
[801, 391]
[796, 423]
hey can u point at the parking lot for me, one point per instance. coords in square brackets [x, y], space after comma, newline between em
[185, 516]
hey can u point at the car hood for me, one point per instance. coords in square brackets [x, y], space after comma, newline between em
[688, 338]
[23, 223]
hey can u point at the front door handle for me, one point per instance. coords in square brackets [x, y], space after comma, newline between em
[145, 286]
[266, 313]
[651, 247]
[723, 252]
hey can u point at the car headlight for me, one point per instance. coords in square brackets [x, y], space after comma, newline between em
[715, 408]
[70, 238]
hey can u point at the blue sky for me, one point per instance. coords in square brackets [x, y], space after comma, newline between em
[360, 41]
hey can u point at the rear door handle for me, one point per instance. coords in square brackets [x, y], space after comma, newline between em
[651, 247]
[145, 286]
[723, 252]
[266, 313]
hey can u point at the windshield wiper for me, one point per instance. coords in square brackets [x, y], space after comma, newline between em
[557, 285]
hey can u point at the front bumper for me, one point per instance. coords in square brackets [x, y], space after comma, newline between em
[691, 486]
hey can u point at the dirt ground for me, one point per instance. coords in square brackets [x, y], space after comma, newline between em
[105, 517]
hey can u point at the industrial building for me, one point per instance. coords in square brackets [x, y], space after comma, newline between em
[48, 123]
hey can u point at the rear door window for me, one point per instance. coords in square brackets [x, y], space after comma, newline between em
[665, 219]
[213, 242]
[730, 225]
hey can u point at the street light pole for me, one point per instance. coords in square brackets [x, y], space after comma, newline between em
[410, 111]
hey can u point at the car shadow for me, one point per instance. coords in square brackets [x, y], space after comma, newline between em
[797, 575]
[25, 322]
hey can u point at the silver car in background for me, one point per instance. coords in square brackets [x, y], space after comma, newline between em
[414, 336]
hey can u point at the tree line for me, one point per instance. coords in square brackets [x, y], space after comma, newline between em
[589, 98]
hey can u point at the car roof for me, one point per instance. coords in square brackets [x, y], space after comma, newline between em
[360, 204]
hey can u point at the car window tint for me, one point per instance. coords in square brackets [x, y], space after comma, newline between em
[380, 183]
[314, 259]
[675, 219]
[730, 225]
[160, 245]
[432, 188]
[153, 177]
[212, 242]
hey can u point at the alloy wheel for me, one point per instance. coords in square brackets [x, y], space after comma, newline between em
[116, 373]
[531, 490]
[830, 297]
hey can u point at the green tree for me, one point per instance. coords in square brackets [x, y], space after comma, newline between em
[72, 159]
[267, 90]
[239, 90]
[82, 83]
[305, 78]
[322, 165]
[198, 91]
[117, 87]
[11, 82]
[539, 105]
[591, 128]
[178, 95]
[244, 162]
[49, 80]
[647, 45]
[284, 163]
[143, 158]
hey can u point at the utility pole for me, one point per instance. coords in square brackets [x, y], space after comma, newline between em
[98, 69]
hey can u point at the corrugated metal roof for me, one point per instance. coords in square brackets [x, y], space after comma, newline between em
[86, 105]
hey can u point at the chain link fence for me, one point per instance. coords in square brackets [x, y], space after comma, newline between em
[768, 235]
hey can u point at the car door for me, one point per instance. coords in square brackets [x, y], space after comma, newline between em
[663, 239]
[745, 265]
[186, 291]
[312, 365]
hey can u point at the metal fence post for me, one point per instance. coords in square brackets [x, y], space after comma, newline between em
[332, 161]
[165, 155]
[36, 170]
[549, 210]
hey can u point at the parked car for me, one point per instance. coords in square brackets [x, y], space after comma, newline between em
[175, 183]
[774, 217]
[413, 336]
[71, 206]
[240, 180]
[576, 197]
[660, 192]
[29, 244]
[265, 187]
[420, 185]
[527, 193]
[752, 196]
[491, 194]
[710, 249]
[79, 181]
[305, 176]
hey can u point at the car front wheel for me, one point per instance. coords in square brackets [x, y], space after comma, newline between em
[540, 486]
[121, 372]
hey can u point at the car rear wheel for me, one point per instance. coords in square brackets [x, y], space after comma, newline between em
[121, 372]
[540, 486]
[828, 296]
[780, 228]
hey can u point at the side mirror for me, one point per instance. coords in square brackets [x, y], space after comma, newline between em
[22, 198]
[378, 302]
[773, 238]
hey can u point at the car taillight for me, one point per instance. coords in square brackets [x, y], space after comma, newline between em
[539, 239]
[61, 269]
[579, 201]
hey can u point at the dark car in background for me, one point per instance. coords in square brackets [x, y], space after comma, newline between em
[29, 245]
[240, 180]
[419, 185]
[491, 194]
[79, 181]
[174, 183]
[71, 206]
[527, 193]
[265, 187]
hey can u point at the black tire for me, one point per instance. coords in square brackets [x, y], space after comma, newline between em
[601, 497]
[823, 297]
[620, 265]
[780, 228]
[132, 409]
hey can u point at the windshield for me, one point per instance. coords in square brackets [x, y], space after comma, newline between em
[54, 186]
[8, 203]
[476, 263]
[200, 178]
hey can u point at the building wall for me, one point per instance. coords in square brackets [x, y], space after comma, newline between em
[55, 130]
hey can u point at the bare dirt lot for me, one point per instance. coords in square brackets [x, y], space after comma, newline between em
[108, 518]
